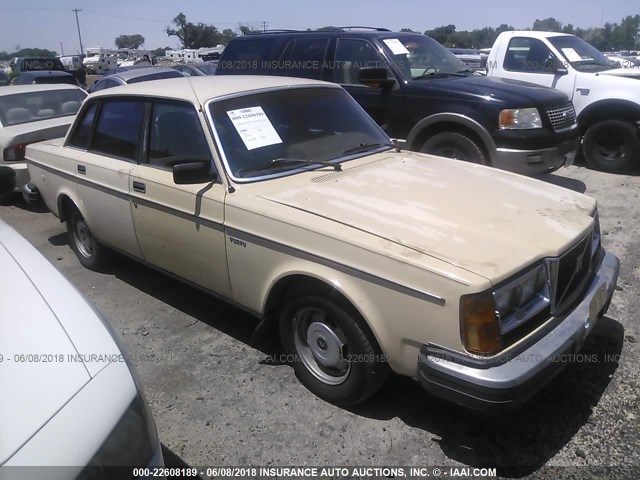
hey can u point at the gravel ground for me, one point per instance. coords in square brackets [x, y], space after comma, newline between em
[220, 397]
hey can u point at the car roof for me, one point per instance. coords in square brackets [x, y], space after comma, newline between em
[536, 34]
[37, 88]
[200, 89]
[140, 72]
[45, 73]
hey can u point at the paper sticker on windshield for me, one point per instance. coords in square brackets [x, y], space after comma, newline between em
[572, 55]
[396, 46]
[254, 127]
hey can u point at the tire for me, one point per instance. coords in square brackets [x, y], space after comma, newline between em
[332, 353]
[91, 254]
[7, 181]
[455, 145]
[611, 146]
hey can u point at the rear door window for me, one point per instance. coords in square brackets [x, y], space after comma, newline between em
[307, 58]
[119, 129]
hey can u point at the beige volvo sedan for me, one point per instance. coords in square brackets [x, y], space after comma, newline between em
[284, 198]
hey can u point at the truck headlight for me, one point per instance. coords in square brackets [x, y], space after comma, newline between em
[595, 237]
[520, 118]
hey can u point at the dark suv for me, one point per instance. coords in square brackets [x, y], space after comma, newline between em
[420, 93]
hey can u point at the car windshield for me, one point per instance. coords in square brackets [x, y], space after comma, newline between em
[21, 108]
[206, 68]
[156, 76]
[419, 56]
[280, 132]
[581, 55]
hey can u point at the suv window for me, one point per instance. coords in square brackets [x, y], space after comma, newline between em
[351, 56]
[307, 57]
[176, 135]
[529, 55]
[118, 128]
[250, 56]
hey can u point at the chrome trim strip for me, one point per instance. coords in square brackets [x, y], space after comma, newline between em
[369, 277]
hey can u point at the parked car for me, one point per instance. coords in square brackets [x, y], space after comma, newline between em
[197, 69]
[472, 58]
[32, 113]
[606, 98]
[45, 77]
[69, 399]
[421, 94]
[283, 197]
[134, 76]
[4, 78]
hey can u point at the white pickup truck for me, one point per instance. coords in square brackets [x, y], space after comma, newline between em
[606, 98]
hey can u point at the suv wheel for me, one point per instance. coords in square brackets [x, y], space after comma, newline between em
[611, 146]
[455, 145]
[331, 353]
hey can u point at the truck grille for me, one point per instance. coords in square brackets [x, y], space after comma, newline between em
[562, 118]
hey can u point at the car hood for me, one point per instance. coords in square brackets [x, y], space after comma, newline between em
[489, 222]
[623, 72]
[506, 90]
[42, 334]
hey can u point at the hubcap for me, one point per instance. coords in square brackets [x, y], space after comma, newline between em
[321, 346]
[82, 237]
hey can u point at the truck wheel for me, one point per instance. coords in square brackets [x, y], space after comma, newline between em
[455, 145]
[331, 353]
[611, 146]
[91, 254]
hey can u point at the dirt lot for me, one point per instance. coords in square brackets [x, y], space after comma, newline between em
[220, 398]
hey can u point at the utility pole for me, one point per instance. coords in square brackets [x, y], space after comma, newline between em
[76, 10]
[264, 27]
[61, 48]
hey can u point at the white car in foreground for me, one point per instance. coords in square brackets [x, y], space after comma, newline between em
[32, 113]
[68, 398]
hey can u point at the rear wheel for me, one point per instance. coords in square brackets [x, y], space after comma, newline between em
[611, 146]
[91, 254]
[455, 145]
[332, 354]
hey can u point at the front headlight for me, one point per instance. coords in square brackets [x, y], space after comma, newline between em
[522, 298]
[520, 118]
[595, 237]
[131, 443]
[485, 317]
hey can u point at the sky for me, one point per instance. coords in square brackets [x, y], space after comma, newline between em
[51, 24]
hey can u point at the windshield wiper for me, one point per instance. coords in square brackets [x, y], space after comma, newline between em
[278, 161]
[363, 147]
[439, 75]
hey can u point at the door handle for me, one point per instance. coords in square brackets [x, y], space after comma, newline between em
[82, 169]
[139, 187]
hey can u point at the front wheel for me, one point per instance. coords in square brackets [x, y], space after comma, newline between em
[332, 354]
[455, 145]
[91, 254]
[611, 146]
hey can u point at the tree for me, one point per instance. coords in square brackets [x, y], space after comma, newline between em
[129, 41]
[195, 35]
[547, 25]
[408, 30]
[441, 34]
[160, 51]
[247, 30]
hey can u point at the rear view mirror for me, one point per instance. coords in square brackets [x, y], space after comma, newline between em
[193, 172]
[7, 181]
[375, 77]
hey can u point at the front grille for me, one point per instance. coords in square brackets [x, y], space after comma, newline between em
[569, 273]
[562, 118]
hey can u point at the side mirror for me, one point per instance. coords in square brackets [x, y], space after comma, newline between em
[375, 77]
[7, 181]
[189, 173]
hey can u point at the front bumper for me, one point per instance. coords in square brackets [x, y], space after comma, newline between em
[541, 160]
[509, 383]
